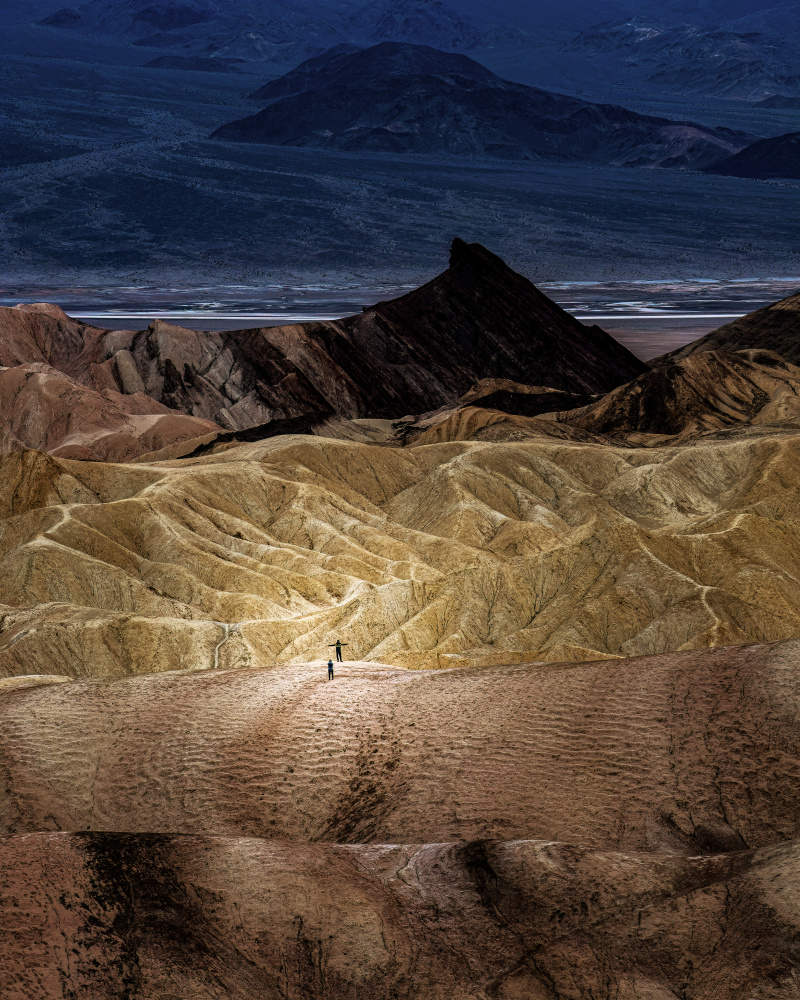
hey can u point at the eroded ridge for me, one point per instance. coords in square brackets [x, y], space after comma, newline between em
[458, 552]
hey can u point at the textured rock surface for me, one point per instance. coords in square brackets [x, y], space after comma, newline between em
[682, 753]
[708, 394]
[774, 328]
[210, 918]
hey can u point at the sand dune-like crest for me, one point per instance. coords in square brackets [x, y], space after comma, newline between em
[683, 753]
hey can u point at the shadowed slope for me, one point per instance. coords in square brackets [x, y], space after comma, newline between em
[684, 752]
[704, 392]
[712, 393]
[773, 328]
[776, 157]
[230, 919]
[342, 64]
[480, 316]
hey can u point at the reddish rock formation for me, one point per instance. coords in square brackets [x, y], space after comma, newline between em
[47, 410]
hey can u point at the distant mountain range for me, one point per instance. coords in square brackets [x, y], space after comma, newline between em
[268, 31]
[738, 50]
[730, 61]
[277, 30]
[403, 98]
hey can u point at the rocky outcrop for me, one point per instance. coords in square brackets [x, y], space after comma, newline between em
[774, 328]
[700, 394]
[403, 98]
[521, 400]
[479, 319]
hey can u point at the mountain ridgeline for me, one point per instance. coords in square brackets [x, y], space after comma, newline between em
[400, 98]
[478, 319]
[742, 51]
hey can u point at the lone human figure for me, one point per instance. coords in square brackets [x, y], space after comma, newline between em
[330, 670]
[338, 644]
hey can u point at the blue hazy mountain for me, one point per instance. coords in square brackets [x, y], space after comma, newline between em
[744, 50]
[774, 158]
[732, 61]
[265, 31]
[132, 18]
[403, 98]
[108, 175]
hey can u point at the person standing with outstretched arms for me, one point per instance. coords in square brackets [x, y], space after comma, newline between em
[338, 645]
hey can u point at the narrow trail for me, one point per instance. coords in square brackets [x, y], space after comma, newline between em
[227, 631]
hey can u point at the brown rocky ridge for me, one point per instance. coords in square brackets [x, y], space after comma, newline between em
[774, 328]
[699, 394]
[711, 393]
[479, 319]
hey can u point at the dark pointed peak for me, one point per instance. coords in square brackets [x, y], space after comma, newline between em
[473, 253]
[458, 250]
